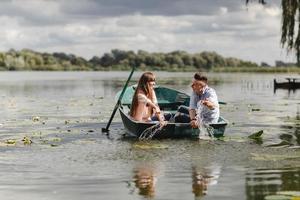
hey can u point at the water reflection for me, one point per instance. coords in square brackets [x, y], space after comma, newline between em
[264, 182]
[297, 131]
[79, 102]
[293, 90]
[203, 178]
[297, 134]
[293, 138]
[145, 179]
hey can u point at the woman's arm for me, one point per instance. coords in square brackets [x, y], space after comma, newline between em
[153, 104]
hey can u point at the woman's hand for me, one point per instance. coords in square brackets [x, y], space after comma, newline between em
[156, 109]
[160, 116]
[163, 123]
[194, 123]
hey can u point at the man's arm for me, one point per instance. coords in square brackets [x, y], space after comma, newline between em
[192, 110]
[192, 113]
[212, 101]
[193, 122]
[209, 104]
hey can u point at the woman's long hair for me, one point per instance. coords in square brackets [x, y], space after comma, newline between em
[142, 86]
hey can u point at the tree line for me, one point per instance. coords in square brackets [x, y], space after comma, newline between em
[27, 59]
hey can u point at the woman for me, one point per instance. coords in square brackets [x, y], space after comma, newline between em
[144, 103]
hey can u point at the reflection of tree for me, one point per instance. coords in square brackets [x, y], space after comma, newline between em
[202, 179]
[297, 132]
[292, 133]
[145, 179]
[261, 182]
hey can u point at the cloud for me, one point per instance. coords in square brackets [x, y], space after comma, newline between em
[152, 7]
[89, 27]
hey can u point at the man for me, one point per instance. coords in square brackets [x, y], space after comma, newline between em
[203, 100]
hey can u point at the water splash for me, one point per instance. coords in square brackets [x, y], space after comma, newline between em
[206, 132]
[149, 133]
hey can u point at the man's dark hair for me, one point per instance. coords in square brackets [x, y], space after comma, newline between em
[199, 77]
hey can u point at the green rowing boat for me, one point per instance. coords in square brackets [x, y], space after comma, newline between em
[168, 100]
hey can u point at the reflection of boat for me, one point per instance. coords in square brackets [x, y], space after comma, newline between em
[168, 100]
[290, 84]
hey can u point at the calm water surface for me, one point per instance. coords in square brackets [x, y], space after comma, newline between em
[62, 114]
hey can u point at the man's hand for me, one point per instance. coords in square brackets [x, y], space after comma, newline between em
[194, 123]
[208, 103]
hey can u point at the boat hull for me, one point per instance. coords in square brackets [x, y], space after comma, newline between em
[286, 85]
[171, 130]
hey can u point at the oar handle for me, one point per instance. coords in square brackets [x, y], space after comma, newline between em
[118, 102]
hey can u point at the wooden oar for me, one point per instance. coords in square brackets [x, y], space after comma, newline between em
[118, 102]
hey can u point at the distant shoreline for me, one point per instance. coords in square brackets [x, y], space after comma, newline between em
[215, 70]
[120, 60]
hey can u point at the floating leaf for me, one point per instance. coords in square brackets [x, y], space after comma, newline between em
[10, 141]
[56, 139]
[277, 197]
[282, 143]
[149, 146]
[256, 135]
[295, 147]
[232, 138]
[26, 140]
[36, 119]
[290, 193]
[271, 157]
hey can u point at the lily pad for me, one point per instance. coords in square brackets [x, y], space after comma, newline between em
[272, 157]
[232, 138]
[55, 139]
[256, 135]
[11, 141]
[290, 193]
[35, 118]
[26, 140]
[149, 146]
[282, 143]
[277, 197]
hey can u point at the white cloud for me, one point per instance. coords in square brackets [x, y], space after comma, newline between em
[223, 10]
[230, 29]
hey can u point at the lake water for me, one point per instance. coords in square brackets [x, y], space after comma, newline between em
[52, 147]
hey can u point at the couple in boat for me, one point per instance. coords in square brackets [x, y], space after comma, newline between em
[203, 107]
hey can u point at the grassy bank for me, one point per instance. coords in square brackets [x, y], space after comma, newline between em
[258, 69]
[216, 69]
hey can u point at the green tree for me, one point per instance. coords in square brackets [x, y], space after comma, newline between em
[107, 60]
[290, 26]
[2, 63]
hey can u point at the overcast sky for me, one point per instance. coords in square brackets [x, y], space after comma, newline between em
[93, 27]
